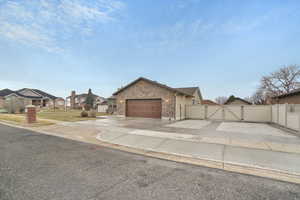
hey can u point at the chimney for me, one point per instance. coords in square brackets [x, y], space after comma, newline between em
[72, 100]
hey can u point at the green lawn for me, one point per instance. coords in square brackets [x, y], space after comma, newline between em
[19, 119]
[61, 115]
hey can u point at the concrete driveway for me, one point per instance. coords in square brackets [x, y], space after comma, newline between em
[241, 134]
[35, 166]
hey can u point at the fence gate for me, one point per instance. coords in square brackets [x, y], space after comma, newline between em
[221, 112]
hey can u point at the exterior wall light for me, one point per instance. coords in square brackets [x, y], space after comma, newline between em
[167, 100]
[121, 101]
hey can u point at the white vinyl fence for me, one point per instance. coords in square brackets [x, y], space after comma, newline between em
[287, 115]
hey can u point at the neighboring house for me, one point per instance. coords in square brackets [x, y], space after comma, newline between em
[232, 100]
[4, 93]
[31, 97]
[292, 97]
[103, 107]
[59, 102]
[112, 104]
[77, 101]
[147, 98]
[209, 102]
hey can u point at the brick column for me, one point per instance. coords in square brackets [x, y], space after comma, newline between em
[30, 114]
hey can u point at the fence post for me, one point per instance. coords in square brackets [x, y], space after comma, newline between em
[286, 111]
[271, 113]
[180, 111]
[223, 113]
[277, 113]
[205, 111]
[242, 113]
[299, 122]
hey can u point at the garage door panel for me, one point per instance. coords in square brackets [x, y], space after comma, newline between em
[150, 108]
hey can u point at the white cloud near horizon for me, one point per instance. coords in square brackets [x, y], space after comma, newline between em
[185, 32]
[42, 23]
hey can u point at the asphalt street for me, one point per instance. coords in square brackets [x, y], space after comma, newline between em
[35, 166]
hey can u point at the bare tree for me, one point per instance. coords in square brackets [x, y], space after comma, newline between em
[221, 100]
[259, 97]
[282, 81]
[249, 99]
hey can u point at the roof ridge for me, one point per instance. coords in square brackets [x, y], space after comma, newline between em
[153, 82]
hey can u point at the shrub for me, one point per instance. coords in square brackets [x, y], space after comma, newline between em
[84, 114]
[92, 113]
[22, 110]
[87, 107]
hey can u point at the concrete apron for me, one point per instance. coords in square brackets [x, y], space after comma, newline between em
[264, 163]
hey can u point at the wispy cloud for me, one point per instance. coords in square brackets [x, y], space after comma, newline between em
[181, 33]
[42, 23]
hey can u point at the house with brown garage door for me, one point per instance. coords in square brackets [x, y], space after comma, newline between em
[150, 99]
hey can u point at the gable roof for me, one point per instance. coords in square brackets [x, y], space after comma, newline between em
[44, 94]
[188, 90]
[177, 90]
[40, 94]
[84, 95]
[233, 98]
[5, 92]
[209, 102]
[36, 91]
[292, 93]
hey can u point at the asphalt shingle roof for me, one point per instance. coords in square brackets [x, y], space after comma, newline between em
[5, 92]
[184, 91]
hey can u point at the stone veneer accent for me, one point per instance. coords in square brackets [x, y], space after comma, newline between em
[146, 90]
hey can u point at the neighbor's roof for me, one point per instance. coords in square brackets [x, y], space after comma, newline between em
[85, 95]
[188, 90]
[112, 97]
[45, 94]
[208, 102]
[292, 93]
[39, 92]
[178, 90]
[103, 103]
[5, 92]
[233, 98]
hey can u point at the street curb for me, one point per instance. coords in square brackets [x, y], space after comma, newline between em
[226, 166]
[14, 125]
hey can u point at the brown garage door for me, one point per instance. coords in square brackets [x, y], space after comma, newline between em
[150, 108]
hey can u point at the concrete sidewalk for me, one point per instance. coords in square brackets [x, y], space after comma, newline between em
[265, 163]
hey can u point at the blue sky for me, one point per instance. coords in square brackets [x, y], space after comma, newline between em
[224, 47]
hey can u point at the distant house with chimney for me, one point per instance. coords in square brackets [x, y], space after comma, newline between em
[78, 101]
